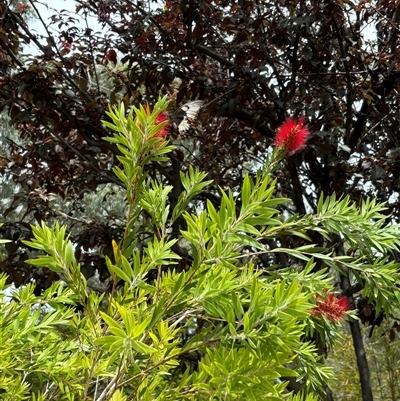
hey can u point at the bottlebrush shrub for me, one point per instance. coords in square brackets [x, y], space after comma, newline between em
[191, 315]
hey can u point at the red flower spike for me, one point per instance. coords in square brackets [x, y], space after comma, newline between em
[163, 116]
[160, 118]
[292, 135]
[331, 307]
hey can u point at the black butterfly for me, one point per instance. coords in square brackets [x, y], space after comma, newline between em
[186, 114]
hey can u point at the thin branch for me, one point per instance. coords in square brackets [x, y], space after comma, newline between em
[67, 76]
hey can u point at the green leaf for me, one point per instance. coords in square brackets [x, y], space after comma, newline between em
[142, 347]
[115, 328]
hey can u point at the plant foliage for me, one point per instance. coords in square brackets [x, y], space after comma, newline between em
[214, 326]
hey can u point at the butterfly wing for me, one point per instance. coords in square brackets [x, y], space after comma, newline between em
[187, 113]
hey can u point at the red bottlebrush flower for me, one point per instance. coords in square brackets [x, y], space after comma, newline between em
[331, 307]
[292, 135]
[162, 117]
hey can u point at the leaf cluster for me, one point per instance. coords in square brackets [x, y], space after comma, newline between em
[217, 327]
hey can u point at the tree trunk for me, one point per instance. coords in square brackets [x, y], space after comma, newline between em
[362, 362]
[358, 342]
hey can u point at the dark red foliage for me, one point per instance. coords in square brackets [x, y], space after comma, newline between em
[253, 63]
[111, 55]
